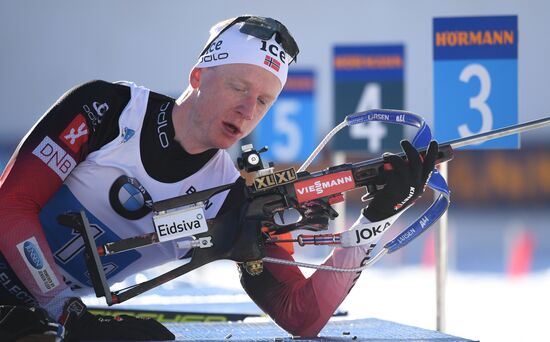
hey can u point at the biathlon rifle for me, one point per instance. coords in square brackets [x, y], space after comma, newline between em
[269, 199]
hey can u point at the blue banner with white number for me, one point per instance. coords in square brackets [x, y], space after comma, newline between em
[288, 129]
[475, 78]
[368, 77]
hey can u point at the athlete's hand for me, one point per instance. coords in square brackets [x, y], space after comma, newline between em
[404, 181]
[82, 325]
[18, 323]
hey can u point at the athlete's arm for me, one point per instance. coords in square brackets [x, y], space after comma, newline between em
[301, 305]
[81, 121]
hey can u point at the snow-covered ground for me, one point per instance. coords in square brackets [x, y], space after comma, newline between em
[484, 307]
[478, 306]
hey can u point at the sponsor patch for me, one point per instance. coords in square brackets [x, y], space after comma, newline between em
[95, 118]
[75, 134]
[180, 223]
[129, 198]
[323, 186]
[100, 108]
[55, 157]
[37, 264]
[366, 233]
[276, 178]
[127, 134]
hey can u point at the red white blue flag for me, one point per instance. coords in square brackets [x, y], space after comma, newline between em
[272, 63]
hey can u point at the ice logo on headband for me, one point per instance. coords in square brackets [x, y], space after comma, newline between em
[213, 54]
[234, 47]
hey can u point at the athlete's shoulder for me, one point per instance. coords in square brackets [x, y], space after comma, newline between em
[100, 87]
[160, 97]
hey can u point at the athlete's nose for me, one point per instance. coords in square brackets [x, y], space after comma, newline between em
[247, 107]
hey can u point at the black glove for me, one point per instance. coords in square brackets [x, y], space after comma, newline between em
[82, 325]
[19, 321]
[404, 181]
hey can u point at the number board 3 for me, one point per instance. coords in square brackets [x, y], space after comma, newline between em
[475, 78]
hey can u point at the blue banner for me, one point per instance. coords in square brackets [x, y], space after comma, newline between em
[288, 128]
[475, 78]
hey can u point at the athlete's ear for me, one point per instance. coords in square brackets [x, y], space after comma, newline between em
[195, 77]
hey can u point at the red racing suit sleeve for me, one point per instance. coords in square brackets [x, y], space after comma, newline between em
[81, 121]
[300, 305]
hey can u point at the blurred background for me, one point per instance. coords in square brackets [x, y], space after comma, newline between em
[355, 55]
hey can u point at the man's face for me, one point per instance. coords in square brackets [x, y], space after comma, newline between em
[230, 101]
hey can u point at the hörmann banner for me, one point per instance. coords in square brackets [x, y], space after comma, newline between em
[475, 77]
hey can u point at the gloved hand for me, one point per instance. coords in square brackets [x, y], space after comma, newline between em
[404, 182]
[27, 323]
[82, 325]
[316, 215]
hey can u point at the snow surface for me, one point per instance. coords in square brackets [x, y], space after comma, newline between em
[486, 307]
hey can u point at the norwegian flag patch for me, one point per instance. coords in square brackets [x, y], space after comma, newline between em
[272, 63]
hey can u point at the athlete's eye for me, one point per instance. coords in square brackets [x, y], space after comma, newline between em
[239, 88]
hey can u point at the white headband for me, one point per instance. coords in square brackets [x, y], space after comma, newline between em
[233, 46]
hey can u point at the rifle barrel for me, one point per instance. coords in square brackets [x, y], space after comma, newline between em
[498, 133]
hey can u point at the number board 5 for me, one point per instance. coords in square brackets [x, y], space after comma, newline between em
[288, 128]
